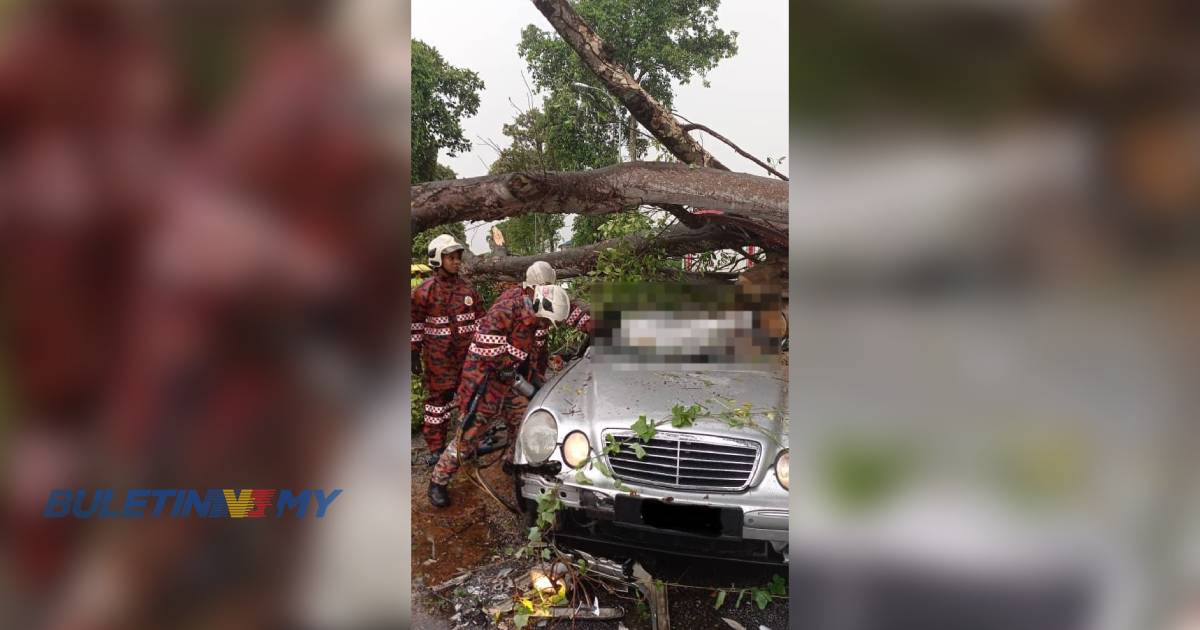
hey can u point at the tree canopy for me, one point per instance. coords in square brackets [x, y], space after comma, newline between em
[657, 42]
[442, 95]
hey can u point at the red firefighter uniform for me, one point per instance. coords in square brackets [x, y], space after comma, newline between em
[510, 335]
[445, 312]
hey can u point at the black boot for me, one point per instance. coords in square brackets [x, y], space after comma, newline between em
[439, 496]
[433, 457]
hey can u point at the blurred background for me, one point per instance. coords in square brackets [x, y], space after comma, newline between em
[202, 240]
[995, 213]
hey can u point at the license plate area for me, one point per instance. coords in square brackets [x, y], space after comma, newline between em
[695, 520]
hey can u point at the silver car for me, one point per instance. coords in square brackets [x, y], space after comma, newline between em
[715, 485]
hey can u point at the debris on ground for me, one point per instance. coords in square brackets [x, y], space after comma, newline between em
[476, 580]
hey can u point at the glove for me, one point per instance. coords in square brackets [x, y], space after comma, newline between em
[416, 362]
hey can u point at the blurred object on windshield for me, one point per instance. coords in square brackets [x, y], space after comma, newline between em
[687, 323]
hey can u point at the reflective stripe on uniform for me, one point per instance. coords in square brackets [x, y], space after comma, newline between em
[487, 352]
[584, 320]
[468, 328]
[516, 352]
[575, 312]
[438, 332]
[435, 414]
[441, 319]
[416, 338]
[464, 317]
[541, 332]
[497, 339]
[418, 325]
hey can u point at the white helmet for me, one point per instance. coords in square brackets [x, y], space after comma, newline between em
[442, 244]
[551, 301]
[539, 273]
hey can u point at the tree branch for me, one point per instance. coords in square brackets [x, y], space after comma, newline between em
[699, 127]
[752, 202]
[576, 261]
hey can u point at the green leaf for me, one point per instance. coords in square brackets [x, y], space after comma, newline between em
[546, 553]
[611, 445]
[582, 479]
[638, 450]
[535, 534]
[603, 468]
[520, 620]
[644, 429]
[762, 598]
[741, 594]
[777, 586]
[684, 416]
[720, 599]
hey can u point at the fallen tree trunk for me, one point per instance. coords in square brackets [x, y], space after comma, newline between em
[577, 261]
[759, 200]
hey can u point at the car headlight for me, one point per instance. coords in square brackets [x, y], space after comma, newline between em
[539, 436]
[782, 464]
[576, 449]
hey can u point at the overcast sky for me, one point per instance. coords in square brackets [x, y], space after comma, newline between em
[747, 102]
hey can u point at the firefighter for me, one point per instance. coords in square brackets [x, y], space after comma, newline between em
[579, 317]
[540, 273]
[444, 312]
[506, 343]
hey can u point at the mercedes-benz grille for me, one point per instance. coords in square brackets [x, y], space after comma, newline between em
[686, 461]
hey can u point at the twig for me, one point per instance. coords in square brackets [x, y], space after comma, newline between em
[698, 127]
[454, 581]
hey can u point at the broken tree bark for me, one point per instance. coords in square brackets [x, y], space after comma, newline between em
[758, 201]
[598, 57]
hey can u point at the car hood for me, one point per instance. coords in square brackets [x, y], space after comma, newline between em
[608, 396]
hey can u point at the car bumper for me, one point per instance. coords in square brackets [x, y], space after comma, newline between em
[764, 520]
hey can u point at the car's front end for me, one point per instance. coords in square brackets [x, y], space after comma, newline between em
[711, 479]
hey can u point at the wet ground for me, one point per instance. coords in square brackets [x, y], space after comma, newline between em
[466, 553]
